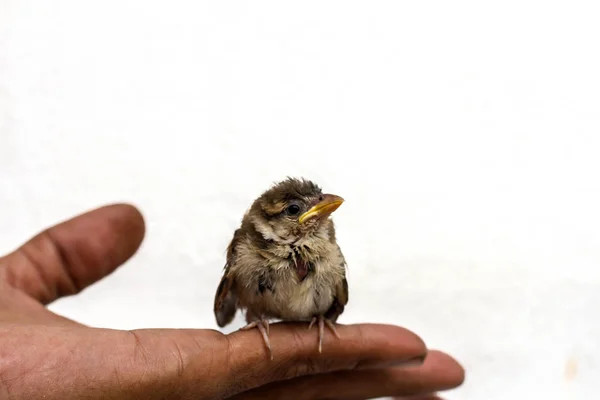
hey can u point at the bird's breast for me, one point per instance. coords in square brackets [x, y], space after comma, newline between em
[300, 292]
[290, 283]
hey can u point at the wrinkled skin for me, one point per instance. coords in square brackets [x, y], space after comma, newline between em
[44, 355]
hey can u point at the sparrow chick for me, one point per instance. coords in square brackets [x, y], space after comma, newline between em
[284, 262]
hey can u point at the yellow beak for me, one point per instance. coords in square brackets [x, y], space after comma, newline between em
[324, 208]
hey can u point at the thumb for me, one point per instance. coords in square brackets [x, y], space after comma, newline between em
[66, 258]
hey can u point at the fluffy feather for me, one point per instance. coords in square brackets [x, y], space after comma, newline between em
[279, 269]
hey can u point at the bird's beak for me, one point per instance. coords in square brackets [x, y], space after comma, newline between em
[328, 204]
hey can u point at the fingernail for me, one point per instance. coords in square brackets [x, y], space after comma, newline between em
[412, 362]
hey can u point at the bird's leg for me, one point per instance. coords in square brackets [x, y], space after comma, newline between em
[263, 327]
[322, 321]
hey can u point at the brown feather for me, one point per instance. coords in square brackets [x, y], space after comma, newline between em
[225, 301]
[277, 269]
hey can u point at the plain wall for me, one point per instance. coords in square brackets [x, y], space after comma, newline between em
[464, 136]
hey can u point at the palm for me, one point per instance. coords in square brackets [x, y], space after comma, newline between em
[44, 353]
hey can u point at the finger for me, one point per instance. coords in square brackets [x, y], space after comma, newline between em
[208, 364]
[70, 256]
[438, 372]
[182, 363]
[295, 351]
[238, 362]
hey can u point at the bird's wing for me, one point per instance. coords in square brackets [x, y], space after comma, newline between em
[341, 297]
[342, 287]
[342, 292]
[339, 302]
[225, 305]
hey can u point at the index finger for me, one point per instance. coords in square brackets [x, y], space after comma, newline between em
[188, 363]
[295, 351]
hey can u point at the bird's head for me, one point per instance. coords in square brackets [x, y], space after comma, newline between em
[292, 209]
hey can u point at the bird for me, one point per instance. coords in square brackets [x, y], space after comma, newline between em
[284, 262]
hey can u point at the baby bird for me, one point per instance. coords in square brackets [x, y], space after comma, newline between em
[284, 262]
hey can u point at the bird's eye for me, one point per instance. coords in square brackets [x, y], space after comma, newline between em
[293, 209]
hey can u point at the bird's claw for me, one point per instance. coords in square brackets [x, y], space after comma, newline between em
[263, 328]
[322, 321]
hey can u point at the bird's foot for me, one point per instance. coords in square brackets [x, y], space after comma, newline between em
[322, 321]
[263, 328]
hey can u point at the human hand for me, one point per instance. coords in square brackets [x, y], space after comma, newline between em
[44, 355]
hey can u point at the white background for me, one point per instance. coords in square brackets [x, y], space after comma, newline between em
[464, 136]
